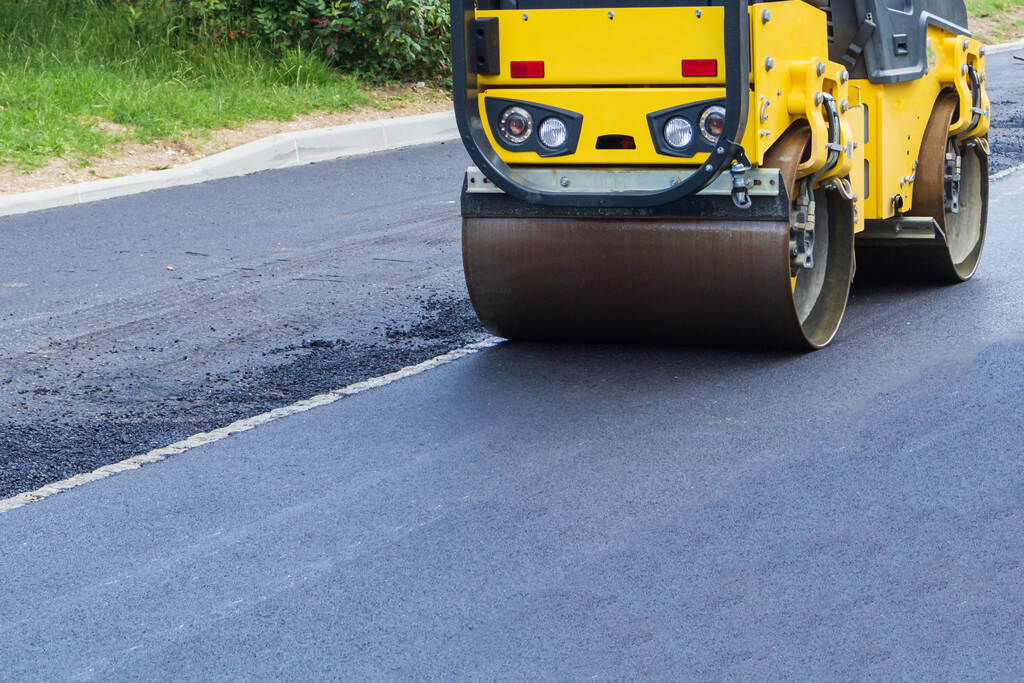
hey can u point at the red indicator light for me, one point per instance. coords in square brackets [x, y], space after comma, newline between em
[700, 68]
[527, 69]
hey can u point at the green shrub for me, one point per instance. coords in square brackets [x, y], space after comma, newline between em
[379, 39]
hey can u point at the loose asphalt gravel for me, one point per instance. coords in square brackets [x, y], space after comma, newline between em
[1005, 83]
[284, 284]
[131, 323]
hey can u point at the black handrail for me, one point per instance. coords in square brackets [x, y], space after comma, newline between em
[471, 127]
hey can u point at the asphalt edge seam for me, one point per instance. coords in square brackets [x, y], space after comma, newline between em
[1006, 171]
[243, 425]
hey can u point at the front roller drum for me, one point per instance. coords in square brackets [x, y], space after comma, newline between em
[663, 281]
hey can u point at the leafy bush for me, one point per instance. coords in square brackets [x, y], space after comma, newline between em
[380, 39]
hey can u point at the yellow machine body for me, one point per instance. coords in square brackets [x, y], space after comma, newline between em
[582, 220]
[615, 66]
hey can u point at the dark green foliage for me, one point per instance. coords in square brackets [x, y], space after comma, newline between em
[380, 39]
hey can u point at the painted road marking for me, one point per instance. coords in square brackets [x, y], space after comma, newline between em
[243, 425]
[1006, 171]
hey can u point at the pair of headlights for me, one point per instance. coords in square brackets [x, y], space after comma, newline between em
[516, 126]
[678, 130]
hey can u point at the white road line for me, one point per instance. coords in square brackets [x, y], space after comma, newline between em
[1006, 171]
[243, 425]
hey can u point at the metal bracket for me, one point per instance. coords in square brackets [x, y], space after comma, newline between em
[801, 230]
[738, 169]
[951, 181]
[759, 182]
[902, 229]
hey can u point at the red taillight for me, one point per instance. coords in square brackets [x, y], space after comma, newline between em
[695, 68]
[527, 69]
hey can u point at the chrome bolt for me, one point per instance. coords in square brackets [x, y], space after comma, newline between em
[966, 44]
[844, 76]
[820, 68]
[563, 181]
[768, 63]
[525, 16]
[720, 150]
[766, 16]
[611, 15]
[698, 14]
[818, 98]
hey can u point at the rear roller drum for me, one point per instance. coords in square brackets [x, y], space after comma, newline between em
[664, 281]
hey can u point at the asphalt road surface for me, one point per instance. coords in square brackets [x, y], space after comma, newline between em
[285, 284]
[531, 510]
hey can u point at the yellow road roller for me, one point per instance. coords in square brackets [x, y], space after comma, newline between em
[712, 172]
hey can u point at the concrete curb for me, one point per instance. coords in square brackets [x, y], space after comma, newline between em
[277, 151]
[1004, 47]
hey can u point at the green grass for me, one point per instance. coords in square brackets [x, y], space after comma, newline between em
[66, 63]
[987, 7]
[995, 21]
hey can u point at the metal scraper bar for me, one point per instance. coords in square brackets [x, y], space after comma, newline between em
[760, 181]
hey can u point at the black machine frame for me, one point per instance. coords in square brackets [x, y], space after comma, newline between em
[474, 137]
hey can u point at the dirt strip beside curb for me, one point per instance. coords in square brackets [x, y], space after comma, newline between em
[277, 151]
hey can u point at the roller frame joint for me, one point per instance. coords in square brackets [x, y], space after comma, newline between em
[951, 181]
[740, 188]
[801, 230]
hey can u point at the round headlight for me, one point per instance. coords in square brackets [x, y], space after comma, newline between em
[678, 132]
[515, 125]
[712, 123]
[553, 132]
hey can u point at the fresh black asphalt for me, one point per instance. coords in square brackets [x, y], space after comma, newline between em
[1005, 87]
[529, 511]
